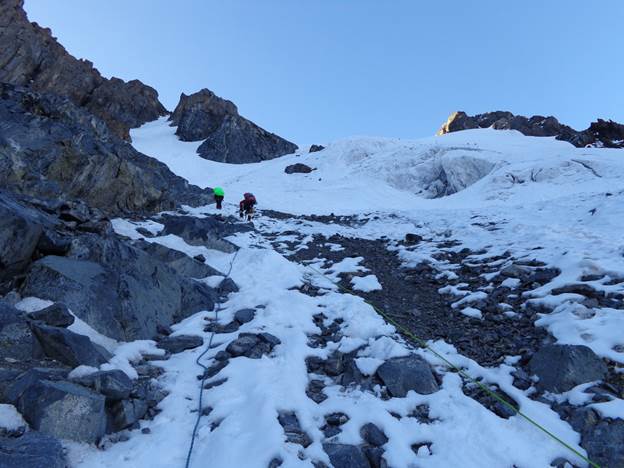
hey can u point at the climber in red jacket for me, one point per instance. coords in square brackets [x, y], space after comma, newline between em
[246, 206]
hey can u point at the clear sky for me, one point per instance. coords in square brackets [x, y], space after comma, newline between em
[318, 70]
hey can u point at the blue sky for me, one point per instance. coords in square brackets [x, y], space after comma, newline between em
[318, 70]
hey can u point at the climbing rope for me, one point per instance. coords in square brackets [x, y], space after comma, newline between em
[204, 369]
[422, 343]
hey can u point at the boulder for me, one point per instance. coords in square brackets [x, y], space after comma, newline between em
[298, 168]
[179, 343]
[32, 450]
[227, 136]
[56, 315]
[68, 347]
[64, 410]
[563, 367]
[402, 374]
[252, 345]
[373, 435]
[413, 239]
[244, 315]
[345, 456]
[292, 429]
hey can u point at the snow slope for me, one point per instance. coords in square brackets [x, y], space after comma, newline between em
[369, 174]
[506, 193]
[519, 193]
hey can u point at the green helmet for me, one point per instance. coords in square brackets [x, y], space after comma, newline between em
[218, 191]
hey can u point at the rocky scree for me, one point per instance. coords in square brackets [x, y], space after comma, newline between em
[506, 329]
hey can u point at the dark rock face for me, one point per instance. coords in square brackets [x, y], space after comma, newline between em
[119, 290]
[228, 136]
[207, 232]
[19, 235]
[400, 375]
[56, 315]
[64, 410]
[55, 150]
[600, 133]
[33, 450]
[68, 347]
[179, 261]
[562, 367]
[298, 169]
[31, 56]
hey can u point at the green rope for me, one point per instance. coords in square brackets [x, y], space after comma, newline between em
[461, 372]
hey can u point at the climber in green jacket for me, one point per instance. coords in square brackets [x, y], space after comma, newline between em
[218, 196]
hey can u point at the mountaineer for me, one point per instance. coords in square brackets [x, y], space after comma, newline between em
[247, 205]
[218, 196]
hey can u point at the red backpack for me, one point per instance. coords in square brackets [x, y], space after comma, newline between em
[250, 198]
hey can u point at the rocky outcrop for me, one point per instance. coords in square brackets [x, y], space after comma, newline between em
[50, 148]
[31, 56]
[118, 289]
[601, 133]
[227, 136]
